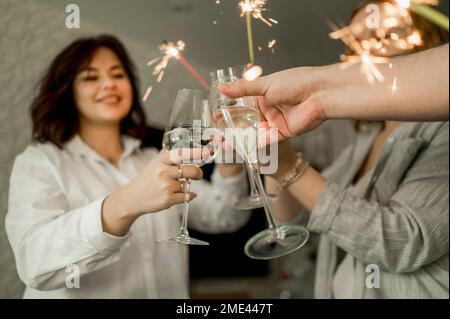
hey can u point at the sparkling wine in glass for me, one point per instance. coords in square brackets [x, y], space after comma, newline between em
[190, 130]
[242, 116]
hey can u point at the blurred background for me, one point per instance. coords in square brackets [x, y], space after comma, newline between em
[32, 32]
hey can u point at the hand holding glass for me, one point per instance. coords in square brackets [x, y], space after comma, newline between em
[191, 129]
[243, 114]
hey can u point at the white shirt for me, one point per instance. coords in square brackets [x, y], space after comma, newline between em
[54, 221]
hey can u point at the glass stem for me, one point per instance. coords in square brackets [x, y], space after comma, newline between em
[253, 191]
[254, 170]
[184, 228]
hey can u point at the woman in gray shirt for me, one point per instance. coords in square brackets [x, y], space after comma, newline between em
[381, 210]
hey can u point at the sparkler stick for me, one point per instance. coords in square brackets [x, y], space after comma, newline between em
[431, 14]
[423, 8]
[248, 18]
[253, 9]
[193, 72]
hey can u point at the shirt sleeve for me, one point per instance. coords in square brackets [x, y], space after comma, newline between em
[403, 235]
[212, 211]
[46, 236]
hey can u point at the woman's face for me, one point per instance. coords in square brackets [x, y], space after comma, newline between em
[103, 91]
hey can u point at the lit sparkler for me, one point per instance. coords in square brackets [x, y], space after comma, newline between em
[271, 45]
[170, 50]
[254, 9]
[395, 16]
[362, 55]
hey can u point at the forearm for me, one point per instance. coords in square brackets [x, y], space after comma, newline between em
[117, 218]
[286, 208]
[422, 93]
[70, 237]
[306, 190]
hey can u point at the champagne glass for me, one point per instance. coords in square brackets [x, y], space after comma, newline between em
[254, 200]
[242, 116]
[191, 129]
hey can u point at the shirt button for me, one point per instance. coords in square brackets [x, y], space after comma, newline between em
[391, 140]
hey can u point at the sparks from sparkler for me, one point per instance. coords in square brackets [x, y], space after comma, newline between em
[367, 52]
[271, 45]
[255, 8]
[362, 56]
[170, 50]
[394, 87]
[147, 93]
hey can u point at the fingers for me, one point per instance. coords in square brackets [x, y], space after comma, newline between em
[242, 87]
[185, 171]
[178, 198]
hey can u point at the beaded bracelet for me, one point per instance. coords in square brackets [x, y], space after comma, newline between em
[297, 171]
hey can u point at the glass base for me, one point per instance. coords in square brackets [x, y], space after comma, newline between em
[253, 202]
[274, 243]
[185, 239]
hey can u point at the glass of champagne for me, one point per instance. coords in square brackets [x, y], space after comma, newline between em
[242, 116]
[254, 200]
[191, 130]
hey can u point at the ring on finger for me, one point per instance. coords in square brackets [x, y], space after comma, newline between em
[180, 172]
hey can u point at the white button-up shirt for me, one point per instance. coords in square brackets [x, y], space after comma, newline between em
[54, 225]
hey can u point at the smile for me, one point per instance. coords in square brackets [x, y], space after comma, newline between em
[109, 99]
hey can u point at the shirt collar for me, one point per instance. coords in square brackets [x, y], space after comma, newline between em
[77, 146]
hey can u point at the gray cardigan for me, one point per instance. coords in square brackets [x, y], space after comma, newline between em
[402, 227]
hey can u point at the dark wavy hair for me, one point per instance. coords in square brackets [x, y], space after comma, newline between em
[54, 113]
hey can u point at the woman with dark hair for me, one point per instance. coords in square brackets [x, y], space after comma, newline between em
[381, 208]
[87, 199]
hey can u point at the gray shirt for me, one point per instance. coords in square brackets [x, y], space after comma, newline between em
[397, 224]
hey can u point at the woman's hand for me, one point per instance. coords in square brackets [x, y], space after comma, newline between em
[288, 100]
[156, 188]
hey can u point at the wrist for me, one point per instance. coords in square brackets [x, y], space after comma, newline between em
[328, 80]
[112, 221]
[296, 170]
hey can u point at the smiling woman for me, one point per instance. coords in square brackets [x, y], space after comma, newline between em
[86, 183]
[74, 84]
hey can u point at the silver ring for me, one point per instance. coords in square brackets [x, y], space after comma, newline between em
[180, 172]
